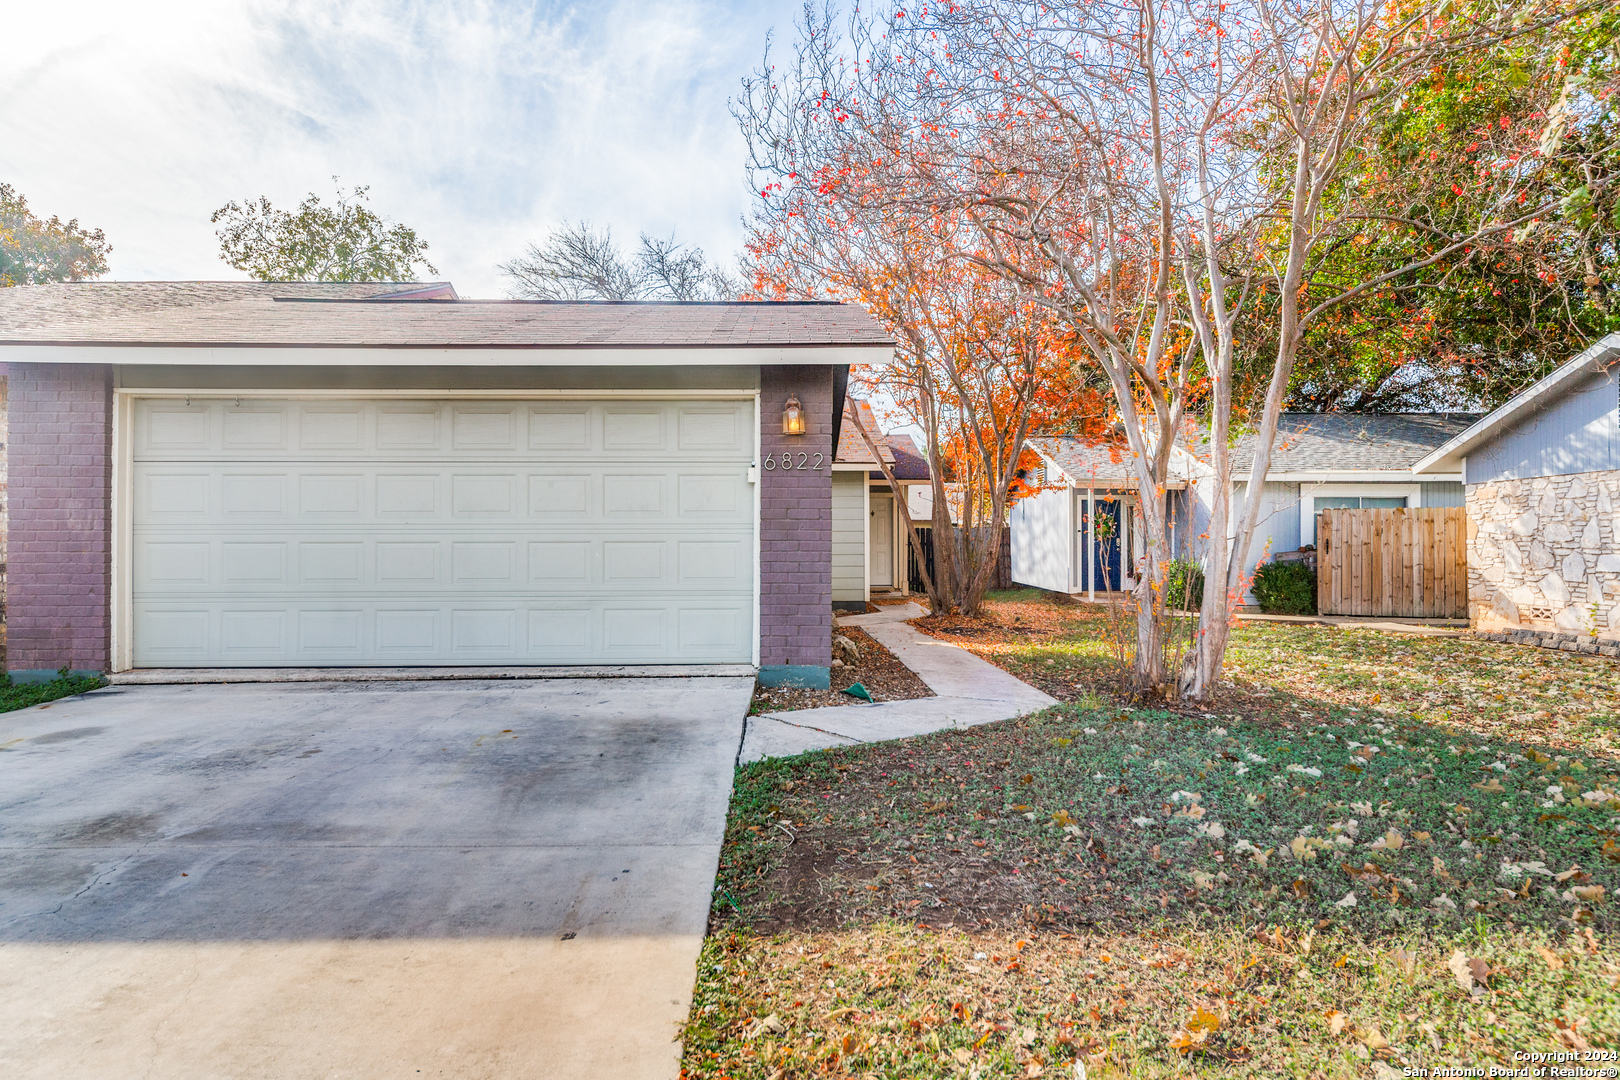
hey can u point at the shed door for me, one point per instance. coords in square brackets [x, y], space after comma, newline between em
[400, 532]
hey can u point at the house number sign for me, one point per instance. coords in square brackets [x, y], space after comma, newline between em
[786, 461]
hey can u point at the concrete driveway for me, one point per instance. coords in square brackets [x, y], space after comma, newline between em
[445, 879]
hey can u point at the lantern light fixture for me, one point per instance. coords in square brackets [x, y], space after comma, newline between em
[793, 418]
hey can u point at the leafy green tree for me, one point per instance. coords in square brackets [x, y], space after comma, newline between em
[342, 242]
[33, 251]
[1476, 327]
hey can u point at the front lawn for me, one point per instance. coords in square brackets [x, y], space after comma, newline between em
[1486, 688]
[1357, 861]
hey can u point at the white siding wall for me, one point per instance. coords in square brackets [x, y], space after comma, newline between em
[848, 537]
[1042, 540]
[1278, 526]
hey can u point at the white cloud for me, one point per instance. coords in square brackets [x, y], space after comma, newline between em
[478, 124]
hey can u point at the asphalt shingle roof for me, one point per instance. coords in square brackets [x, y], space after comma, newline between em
[900, 451]
[1346, 442]
[226, 313]
[851, 447]
[1104, 464]
[910, 463]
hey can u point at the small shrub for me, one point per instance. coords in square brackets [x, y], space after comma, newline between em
[1285, 588]
[1184, 585]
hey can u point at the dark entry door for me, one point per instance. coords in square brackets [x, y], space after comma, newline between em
[1104, 533]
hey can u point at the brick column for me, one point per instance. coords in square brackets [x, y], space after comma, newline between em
[59, 569]
[795, 619]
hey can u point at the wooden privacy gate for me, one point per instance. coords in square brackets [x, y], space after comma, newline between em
[1412, 563]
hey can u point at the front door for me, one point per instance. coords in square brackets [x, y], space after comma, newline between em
[881, 553]
[1103, 532]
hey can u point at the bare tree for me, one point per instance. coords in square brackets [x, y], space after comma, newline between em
[579, 262]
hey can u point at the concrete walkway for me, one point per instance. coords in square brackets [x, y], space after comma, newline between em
[970, 692]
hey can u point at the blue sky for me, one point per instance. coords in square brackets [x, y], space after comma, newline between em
[481, 125]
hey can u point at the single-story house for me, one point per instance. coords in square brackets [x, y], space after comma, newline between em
[870, 550]
[260, 475]
[1324, 461]
[1078, 533]
[1320, 461]
[1543, 496]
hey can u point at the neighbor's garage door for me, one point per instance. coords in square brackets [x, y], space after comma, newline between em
[402, 531]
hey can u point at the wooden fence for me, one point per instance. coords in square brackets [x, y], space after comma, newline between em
[1411, 563]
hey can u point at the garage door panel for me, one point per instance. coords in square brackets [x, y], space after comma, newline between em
[387, 532]
[175, 564]
[638, 429]
[334, 633]
[562, 428]
[247, 563]
[408, 634]
[331, 495]
[723, 431]
[254, 429]
[253, 633]
[173, 427]
[329, 563]
[412, 428]
[331, 427]
[220, 494]
[253, 496]
[437, 562]
[228, 429]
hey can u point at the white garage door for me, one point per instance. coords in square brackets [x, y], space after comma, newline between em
[399, 532]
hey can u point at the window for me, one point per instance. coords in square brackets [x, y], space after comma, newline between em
[1356, 502]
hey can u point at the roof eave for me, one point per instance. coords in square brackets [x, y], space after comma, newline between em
[1448, 458]
[456, 355]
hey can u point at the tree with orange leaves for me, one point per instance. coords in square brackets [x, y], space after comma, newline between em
[978, 368]
[1142, 171]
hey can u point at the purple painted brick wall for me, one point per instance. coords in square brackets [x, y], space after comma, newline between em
[59, 562]
[795, 619]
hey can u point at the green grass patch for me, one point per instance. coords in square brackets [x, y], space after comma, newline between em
[15, 696]
[1475, 687]
[1120, 818]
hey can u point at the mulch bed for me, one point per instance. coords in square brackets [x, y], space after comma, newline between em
[885, 677]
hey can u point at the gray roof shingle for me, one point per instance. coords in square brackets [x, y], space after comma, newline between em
[225, 313]
[1348, 442]
[1103, 464]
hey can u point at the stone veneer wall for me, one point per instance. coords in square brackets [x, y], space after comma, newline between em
[1545, 552]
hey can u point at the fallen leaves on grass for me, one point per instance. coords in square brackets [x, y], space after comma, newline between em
[890, 1000]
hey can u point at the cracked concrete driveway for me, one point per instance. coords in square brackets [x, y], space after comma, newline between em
[449, 879]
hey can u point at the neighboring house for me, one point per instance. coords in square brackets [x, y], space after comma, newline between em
[258, 475]
[1079, 531]
[1543, 479]
[1321, 460]
[869, 543]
